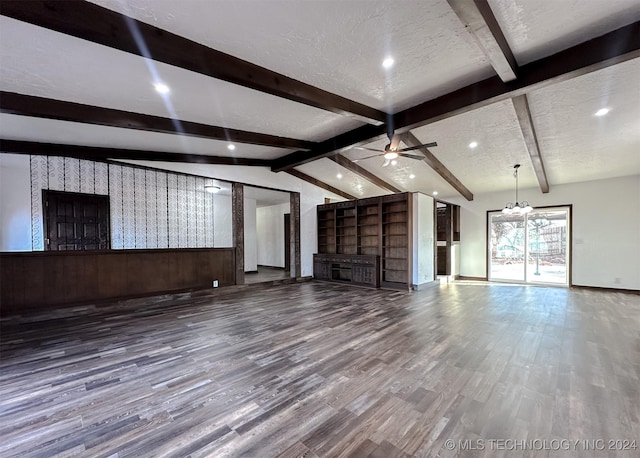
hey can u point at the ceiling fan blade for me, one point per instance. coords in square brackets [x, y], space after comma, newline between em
[411, 156]
[395, 142]
[386, 162]
[365, 148]
[411, 148]
[368, 157]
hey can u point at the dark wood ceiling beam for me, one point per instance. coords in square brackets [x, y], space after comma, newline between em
[356, 137]
[100, 25]
[364, 173]
[101, 154]
[521, 105]
[479, 20]
[612, 48]
[321, 184]
[28, 105]
[411, 140]
[601, 52]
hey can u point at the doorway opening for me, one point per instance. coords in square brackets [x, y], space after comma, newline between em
[267, 242]
[532, 248]
[447, 252]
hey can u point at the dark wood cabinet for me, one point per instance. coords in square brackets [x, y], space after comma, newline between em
[356, 269]
[375, 228]
[75, 221]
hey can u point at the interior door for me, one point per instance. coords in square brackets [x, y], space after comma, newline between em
[75, 221]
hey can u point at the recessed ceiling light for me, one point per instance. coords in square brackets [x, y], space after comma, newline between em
[394, 162]
[435, 193]
[161, 88]
[231, 146]
[339, 176]
[473, 145]
[412, 176]
[602, 112]
[358, 186]
[388, 62]
[212, 188]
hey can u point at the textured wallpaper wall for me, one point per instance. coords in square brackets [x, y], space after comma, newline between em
[149, 209]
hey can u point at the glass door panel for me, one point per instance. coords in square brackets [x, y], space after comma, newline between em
[506, 247]
[547, 243]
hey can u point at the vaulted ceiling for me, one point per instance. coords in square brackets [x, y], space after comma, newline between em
[298, 85]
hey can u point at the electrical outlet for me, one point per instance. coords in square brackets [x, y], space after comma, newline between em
[215, 283]
[617, 280]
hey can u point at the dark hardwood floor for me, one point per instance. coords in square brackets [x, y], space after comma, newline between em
[321, 369]
[265, 274]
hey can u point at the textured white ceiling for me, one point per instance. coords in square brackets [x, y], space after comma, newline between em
[327, 171]
[41, 62]
[335, 45]
[425, 180]
[578, 146]
[488, 167]
[539, 28]
[13, 127]
[338, 46]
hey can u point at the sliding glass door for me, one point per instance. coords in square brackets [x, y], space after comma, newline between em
[506, 247]
[531, 248]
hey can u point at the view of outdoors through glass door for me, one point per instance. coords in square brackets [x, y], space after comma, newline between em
[541, 238]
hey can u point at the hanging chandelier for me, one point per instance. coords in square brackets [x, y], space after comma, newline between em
[519, 208]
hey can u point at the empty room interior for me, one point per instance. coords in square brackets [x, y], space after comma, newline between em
[319, 228]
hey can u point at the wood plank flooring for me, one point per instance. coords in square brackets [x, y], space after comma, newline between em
[265, 274]
[325, 370]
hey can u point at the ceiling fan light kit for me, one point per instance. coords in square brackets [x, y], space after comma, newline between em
[519, 208]
[390, 153]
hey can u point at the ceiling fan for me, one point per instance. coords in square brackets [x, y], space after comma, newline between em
[392, 152]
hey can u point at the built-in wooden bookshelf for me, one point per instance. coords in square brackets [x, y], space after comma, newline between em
[327, 230]
[346, 228]
[375, 228]
[368, 228]
[395, 243]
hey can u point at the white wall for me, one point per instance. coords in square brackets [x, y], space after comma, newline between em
[606, 229]
[15, 203]
[310, 195]
[423, 255]
[455, 258]
[250, 236]
[270, 228]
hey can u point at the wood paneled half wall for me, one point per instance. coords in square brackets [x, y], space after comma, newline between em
[37, 280]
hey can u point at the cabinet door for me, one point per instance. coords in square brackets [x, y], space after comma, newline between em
[321, 269]
[357, 274]
[364, 275]
[318, 270]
